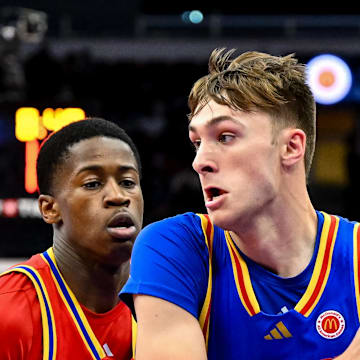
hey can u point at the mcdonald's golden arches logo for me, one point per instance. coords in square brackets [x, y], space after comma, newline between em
[330, 324]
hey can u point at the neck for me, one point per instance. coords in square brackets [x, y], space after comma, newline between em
[95, 285]
[282, 238]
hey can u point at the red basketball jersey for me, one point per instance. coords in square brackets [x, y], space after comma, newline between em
[40, 318]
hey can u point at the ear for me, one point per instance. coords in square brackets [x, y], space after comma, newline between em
[294, 145]
[49, 209]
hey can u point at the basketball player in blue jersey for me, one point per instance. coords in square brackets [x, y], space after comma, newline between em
[263, 275]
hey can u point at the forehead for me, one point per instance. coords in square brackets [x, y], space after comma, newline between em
[107, 154]
[100, 150]
[213, 114]
[210, 110]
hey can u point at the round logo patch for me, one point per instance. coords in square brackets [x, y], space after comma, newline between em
[330, 324]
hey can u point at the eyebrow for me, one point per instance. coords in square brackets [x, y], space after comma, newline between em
[216, 120]
[123, 168]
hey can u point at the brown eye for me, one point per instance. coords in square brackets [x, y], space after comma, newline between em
[127, 183]
[196, 144]
[91, 185]
[225, 138]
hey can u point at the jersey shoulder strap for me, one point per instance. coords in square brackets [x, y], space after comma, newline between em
[47, 315]
[208, 231]
[93, 346]
[356, 255]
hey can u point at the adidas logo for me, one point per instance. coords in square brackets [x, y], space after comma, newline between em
[107, 350]
[278, 332]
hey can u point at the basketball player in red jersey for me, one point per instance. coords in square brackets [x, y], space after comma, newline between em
[63, 303]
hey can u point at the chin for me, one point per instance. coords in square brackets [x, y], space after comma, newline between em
[120, 252]
[220, 220]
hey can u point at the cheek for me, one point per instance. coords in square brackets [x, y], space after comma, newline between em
[261, 161]
[78, 213]
[140, 206]
[137, 202]
[250, 171]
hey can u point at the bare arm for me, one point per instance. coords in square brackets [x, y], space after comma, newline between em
[353, 351]
[166, 331]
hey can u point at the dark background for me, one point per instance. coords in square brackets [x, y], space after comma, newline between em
[134, 62]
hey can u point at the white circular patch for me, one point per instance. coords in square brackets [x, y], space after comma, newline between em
[330, 324]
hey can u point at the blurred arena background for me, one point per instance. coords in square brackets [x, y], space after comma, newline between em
[134, 62]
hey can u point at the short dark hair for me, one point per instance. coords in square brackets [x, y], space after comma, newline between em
[55, 147]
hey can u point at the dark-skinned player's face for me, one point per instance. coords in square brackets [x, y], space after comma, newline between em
[98, 194]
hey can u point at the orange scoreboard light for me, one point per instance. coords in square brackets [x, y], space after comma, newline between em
[30, 127]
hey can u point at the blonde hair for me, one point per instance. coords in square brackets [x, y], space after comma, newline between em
[255, 80]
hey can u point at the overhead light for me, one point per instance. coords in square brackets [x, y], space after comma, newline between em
[22, 24]
[329, 78]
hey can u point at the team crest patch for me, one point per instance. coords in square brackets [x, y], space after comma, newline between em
[330, 324]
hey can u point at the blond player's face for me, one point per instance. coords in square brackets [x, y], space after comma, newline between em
[237, 161]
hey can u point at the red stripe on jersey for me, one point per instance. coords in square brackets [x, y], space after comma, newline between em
[242, 284]
[324, 267]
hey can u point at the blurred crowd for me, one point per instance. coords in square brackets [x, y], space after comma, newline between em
[149, 100]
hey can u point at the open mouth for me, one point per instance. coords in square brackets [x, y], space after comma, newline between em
[213, 192]
[121, 226]
[120, 220]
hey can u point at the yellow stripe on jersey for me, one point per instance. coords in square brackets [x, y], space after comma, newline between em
[91, 342]
[356, 247]
[133, 335]
[204, 320]
[242, 279]
[47, 316]
[322, 266]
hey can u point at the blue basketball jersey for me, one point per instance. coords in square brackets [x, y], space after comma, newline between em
[321, 325]
[213, 283]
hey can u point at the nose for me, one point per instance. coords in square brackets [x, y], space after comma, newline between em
[204, 161]
[115, 195]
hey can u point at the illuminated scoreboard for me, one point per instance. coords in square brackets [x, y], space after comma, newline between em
[30, 127]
